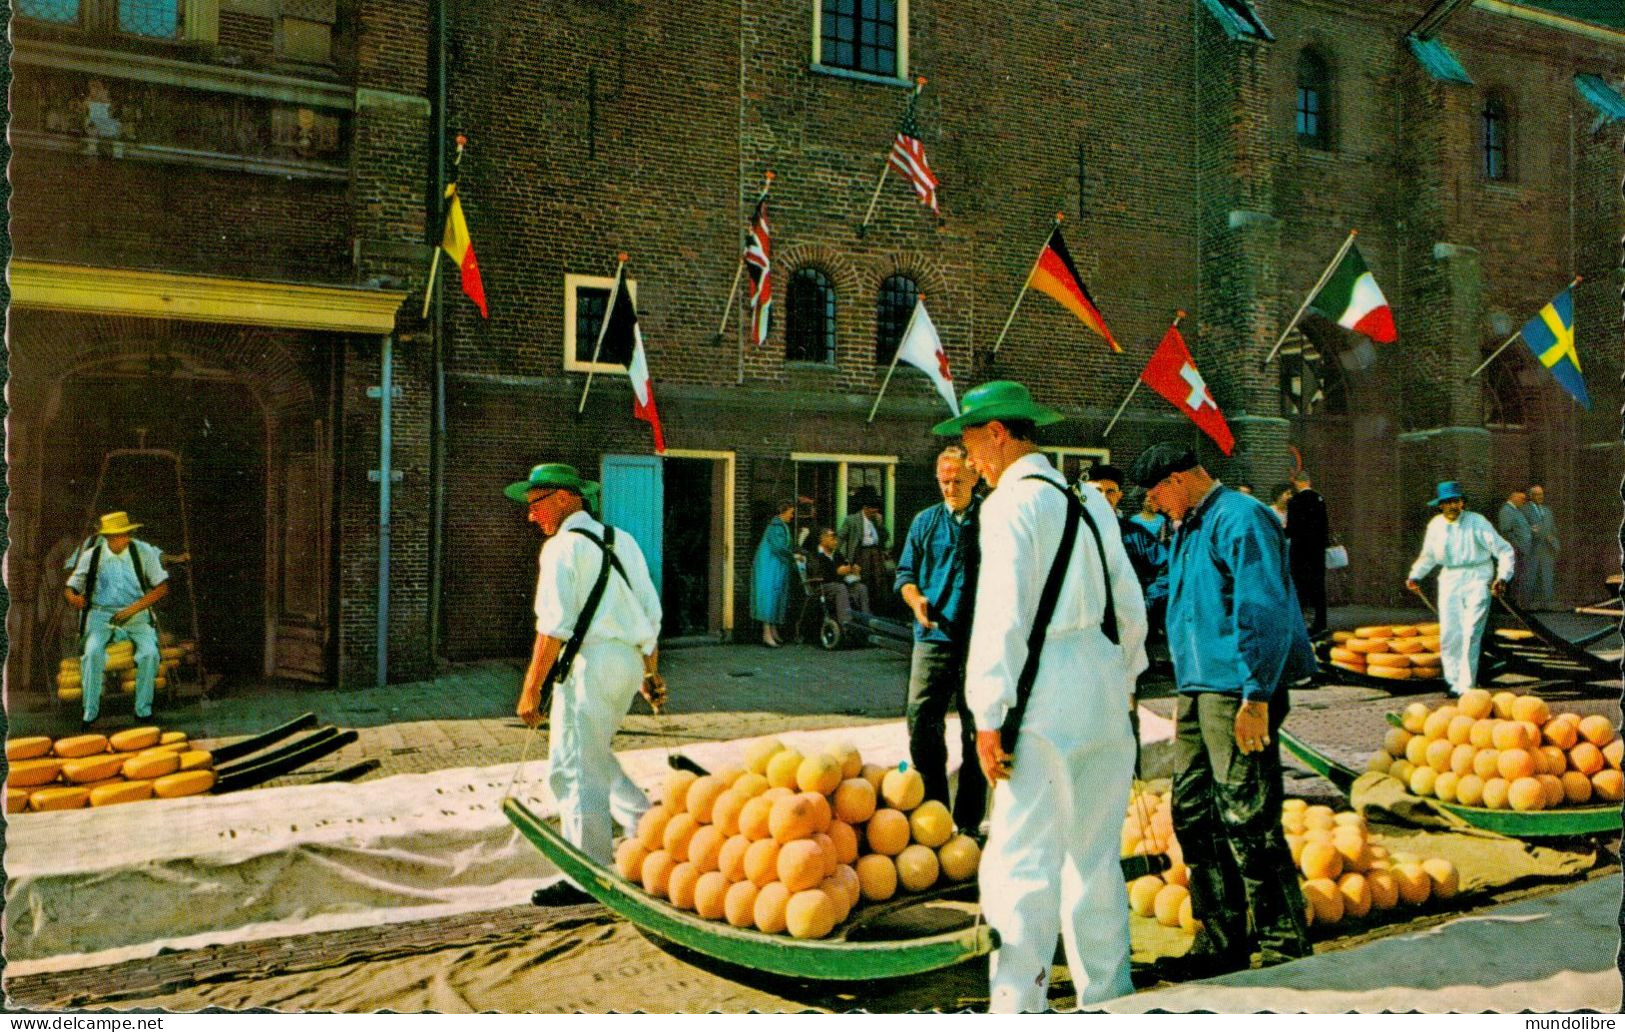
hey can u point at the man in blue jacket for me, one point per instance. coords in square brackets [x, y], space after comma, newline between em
[936, 577]
[1237, 640]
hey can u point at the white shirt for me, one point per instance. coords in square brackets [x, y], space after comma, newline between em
[871, 536]
[1021, 525]
[566, 570]
[1470, 541]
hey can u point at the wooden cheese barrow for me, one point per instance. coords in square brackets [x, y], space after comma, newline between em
[844, 956]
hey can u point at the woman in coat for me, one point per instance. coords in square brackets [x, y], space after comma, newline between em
[770, 576]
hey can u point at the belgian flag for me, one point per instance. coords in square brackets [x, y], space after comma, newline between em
[1056, 276]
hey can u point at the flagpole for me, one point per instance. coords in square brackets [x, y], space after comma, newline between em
[739, 270]
[919, 84]
[919, 299]
[1027, 282]
[1324, 276]
[603, 327]
[1178, 315]
[434, 263]
[1497, 352]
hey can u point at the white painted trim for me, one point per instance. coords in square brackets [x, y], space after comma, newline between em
[572, 283]
[727, 458]
[817, 50]
[842, 457]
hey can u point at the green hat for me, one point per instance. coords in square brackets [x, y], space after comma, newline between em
[550, 474]
[996, 399]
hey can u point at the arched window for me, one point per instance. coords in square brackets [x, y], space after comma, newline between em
[1493, 134]
[810, 331]
[1510, 383]
[893, 308]
[1313, 110]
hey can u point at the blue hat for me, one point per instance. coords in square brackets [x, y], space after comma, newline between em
[1448, 489]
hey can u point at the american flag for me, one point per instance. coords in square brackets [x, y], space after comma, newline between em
[759, 261]
[908, 156]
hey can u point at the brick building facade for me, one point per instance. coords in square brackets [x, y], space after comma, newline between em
[1170, 134]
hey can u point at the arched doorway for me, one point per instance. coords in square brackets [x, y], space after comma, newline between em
[103, 450]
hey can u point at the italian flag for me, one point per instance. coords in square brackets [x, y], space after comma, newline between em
[1352, 299]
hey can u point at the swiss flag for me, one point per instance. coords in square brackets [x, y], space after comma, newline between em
[1172, 373]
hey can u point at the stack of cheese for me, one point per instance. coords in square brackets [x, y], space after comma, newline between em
[1399, 653]
[1504, 751]
[1345, 875]
[793, 842]
[121, 665]
[97, 770]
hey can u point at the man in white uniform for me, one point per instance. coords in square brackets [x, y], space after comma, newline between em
[618, 654]
[113, 584]
[1051, 862]
[1473, 562]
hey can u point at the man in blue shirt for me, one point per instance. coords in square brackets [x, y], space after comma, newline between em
[936, 577]
[113, 584]
[1237, 639]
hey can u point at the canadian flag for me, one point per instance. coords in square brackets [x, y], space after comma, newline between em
[1172, 373]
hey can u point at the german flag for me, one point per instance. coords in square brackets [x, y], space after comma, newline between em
[1056, 276]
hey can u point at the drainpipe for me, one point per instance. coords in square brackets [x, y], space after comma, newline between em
[437, 417]
[385, 473]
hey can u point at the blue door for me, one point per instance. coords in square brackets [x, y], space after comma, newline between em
[634, 497]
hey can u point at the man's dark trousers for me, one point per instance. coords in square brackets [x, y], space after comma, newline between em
[936, 680]
[1227, 815]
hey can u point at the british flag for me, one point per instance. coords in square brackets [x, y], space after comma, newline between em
[759, 262]
[908, 156]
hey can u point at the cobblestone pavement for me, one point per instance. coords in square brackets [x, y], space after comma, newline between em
[718, 692]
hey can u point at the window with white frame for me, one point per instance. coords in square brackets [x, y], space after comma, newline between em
[827, 482]
[1075, 462]
[869, 37]
[586, 299]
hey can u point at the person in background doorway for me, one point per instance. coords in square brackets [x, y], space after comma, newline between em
[863, 541]
[1514, 524]
[114, 585]
[936, 577]
[1474, 562]
[836, 578]
[1308, 532]
[770, 574]
[1543, 553]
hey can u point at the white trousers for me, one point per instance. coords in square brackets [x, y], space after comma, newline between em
[1464, 607]
[586, 779]
[1051, 863]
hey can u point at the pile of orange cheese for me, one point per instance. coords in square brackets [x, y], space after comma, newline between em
[1396, 652]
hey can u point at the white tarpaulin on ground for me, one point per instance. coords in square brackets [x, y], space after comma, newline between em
[1561, 958]
[97, 886]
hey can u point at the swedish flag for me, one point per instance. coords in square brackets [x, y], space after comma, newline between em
[1550, 335]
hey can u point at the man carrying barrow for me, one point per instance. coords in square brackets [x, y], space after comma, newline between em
[1056, 641]
[598, 621]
